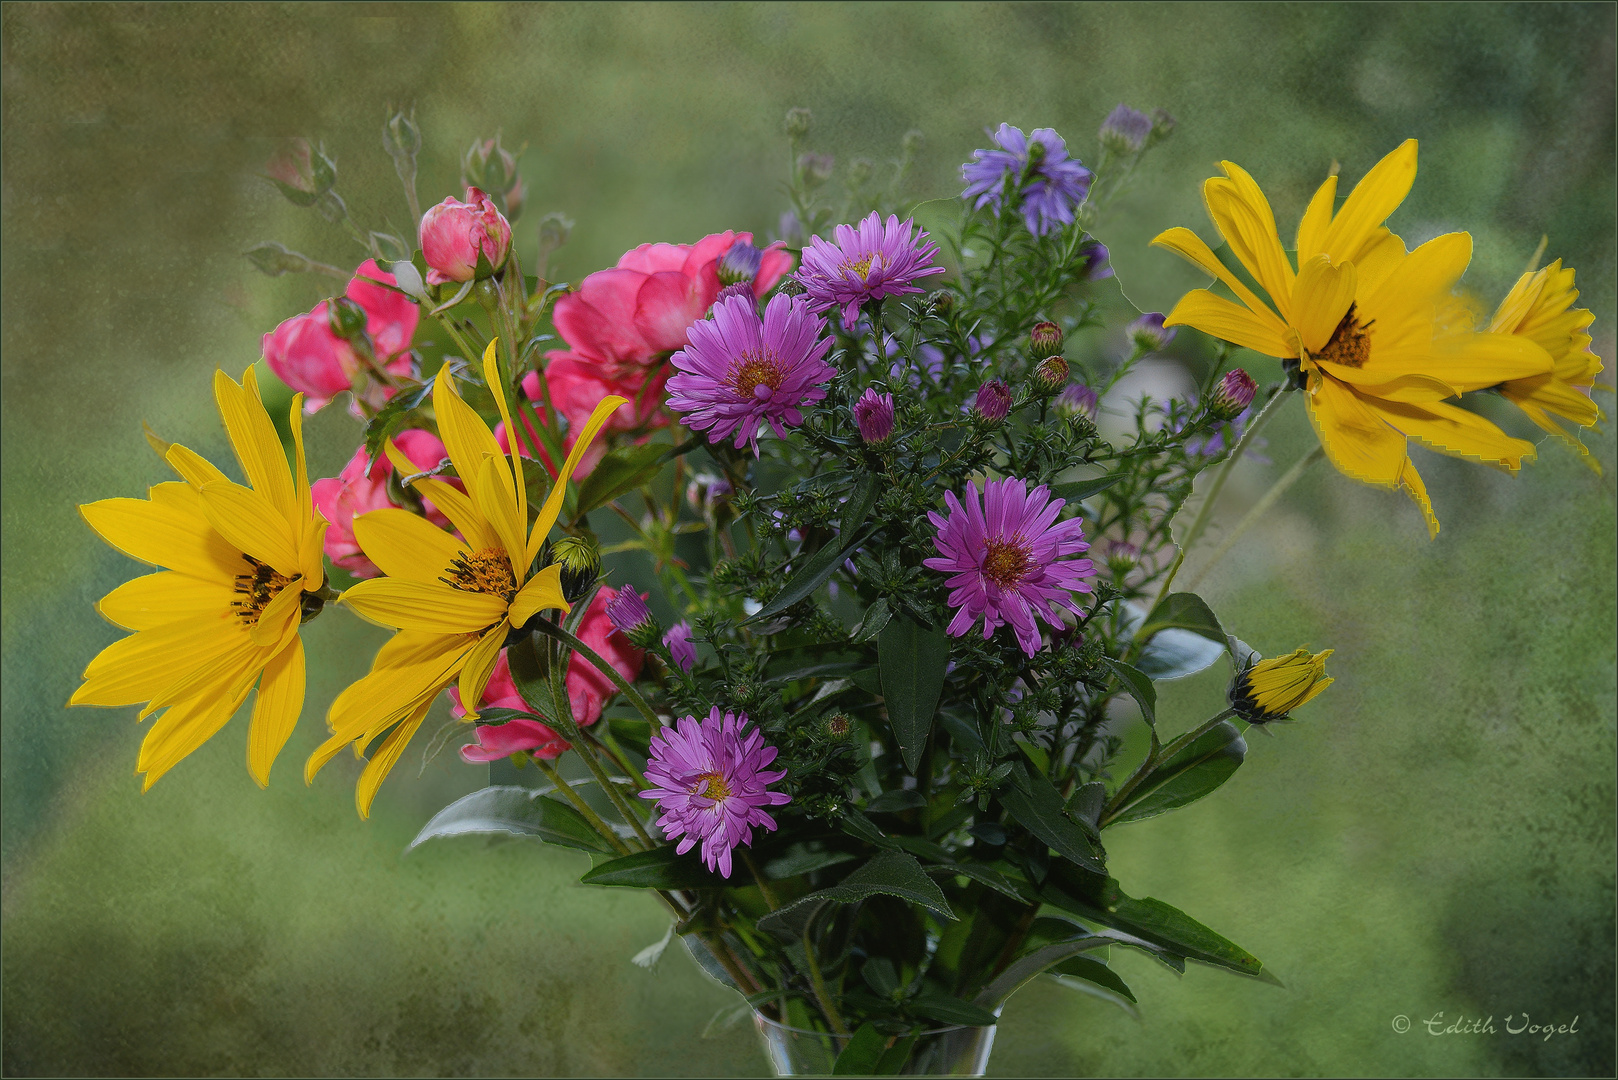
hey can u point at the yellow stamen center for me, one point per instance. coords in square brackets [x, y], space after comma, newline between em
[862, 269]
[255, 590]
[711, 785]
[487, 570]
[1007, 562]
[1350, 343]
[756, 370]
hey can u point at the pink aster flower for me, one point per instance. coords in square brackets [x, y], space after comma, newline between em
[1006, 559]
[711, 784]
[867, 262]
[738, 370]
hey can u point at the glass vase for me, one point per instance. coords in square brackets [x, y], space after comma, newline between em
[946, 1051]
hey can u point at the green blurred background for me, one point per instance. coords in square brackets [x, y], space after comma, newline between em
[1436, 836]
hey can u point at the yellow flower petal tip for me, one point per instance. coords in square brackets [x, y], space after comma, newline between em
[1270, 689]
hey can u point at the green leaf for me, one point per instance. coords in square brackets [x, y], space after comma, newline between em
[801, 859]
[1189, 775]
[514, 811]
[1079, 490]
[659, 868]
[862, 1054]
[893, 1059]
[890, 873]
[1185, 611]
[934, 1004]
[821, 565]
[890, 802]
[391, 415]
[1092, 970]
[994, 879]
[876, 617]
[913, 661]
[880, 975]
[1035, 803]
[624, 469]
[1138, 686]
[1088, 801]
[1180, 637]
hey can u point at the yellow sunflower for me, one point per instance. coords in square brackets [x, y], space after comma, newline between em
[1540, 308]
[1373, 333]
[452, 600]
[243, 569]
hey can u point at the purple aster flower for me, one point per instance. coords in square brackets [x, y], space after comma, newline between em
[868, 262]
[1049, 184]
[740, 263]
[873, 413]
[739, 369]
[993, 401]
[630, 616]
[1008, 559]
[1078, 398]
[1148, 332]
[678, 640]
[1098, 261]
[710, 782]
[1125, 130]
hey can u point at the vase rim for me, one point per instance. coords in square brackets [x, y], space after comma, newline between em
[757, 1015]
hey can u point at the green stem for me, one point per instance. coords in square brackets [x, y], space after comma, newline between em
[570, 730]
[1116, 805]
[623, 685]
[581, 806]
[758, 876]
[1259, 509]
[466, 350]
[819, 983]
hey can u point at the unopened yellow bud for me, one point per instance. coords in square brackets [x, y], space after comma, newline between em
[1270, 689]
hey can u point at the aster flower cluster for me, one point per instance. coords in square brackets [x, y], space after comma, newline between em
[773, 557]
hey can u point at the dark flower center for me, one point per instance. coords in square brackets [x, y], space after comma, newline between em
[711, 785]
[1350, 343]
[756, 370]
[256, 589]
[487, 570]
[1007, 562]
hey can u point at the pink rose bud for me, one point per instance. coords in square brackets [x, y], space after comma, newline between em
[993, 401]
[305, 354]
[302, 173]
[1045, 340]
[1233, 394]
[873, 413]
[454, 235]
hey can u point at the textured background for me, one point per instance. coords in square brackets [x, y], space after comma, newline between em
[1436, 836]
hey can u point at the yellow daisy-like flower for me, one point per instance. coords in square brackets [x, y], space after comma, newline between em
[1270, 689]
[1377, 336]
[243, 568]
[451, 600]
[1540, 308]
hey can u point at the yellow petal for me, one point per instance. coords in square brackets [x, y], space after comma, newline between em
[1411, 288]
[235, 659]
[1411, 484]
[1189, 246]
[404, 545]
[1539, 416]
[1459, 433]
[1551, 394]
[162, 598]
[1518, 302]
[1323, 295]
[311, 561]
[382, 762]
[478, 666]
[137, 668]
[1377, 383]
[497, 388]
[1231, 322]
[542, 592]
[1378, 256]
[1355, 437]
[275, 713]
[1478, 361]
[553, 502]
[466, 437]
[162, 535]
[461, 511]
[1316, 220]
[195, 469]
[282, 613]
[1377, 195]
[257, 445]
[492, 498]
[184, 728]
[1244, 217]
[303, 499]
[250, 522]
[416, 605]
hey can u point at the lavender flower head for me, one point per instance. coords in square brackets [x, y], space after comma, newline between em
[1009, 559]
[1049, 184]
[1078, 399]
[678, 641]
[1098, 261]
[1148, 334]
[710, 784]
[1125, 130]
[739, 370]
[873, 414]
[740, 263]
[630, 616]
[868, 262]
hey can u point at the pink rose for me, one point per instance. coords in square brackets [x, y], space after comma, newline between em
[352, 493]
[577, 387]
[588, 691]
[454, 233]
[304, 353]
[627, 317]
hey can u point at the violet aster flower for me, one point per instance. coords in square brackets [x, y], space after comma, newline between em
[993, 401]
[1008, 559]
[1098, 261]
[873, 413]
[1078, 398]
[632, 618]
[738, 369]
[868, 261]
[1148, 332]
[740, 263]
[678, 640]
[711, 784]
[1233, 394]
[1049, 184]
[1125, 130]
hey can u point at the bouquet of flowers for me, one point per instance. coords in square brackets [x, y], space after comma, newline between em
[915, 554]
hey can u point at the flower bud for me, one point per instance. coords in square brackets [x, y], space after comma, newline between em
[490, 167]
[1078, 399]
[1270, 689]
[678, 641]
[1163, 126]
[275, 260]
[1097, 261]
[741, 288]
[401, 138]
[912, 142]
[1122, 556]
[939, 304]
[1148, 334]
[860, 171]
[706, 493]
[1125, 130]
[993, 402]
[873, 414]
[633, 619]
[581, 565]
[1233, 394]
[740, 263]
[346, 318]
[838, 726]
[1051, 374]
[798, 122]
[458, 238]
[302, 173]
[815, 168]
[1045, 340]
[554, 230]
